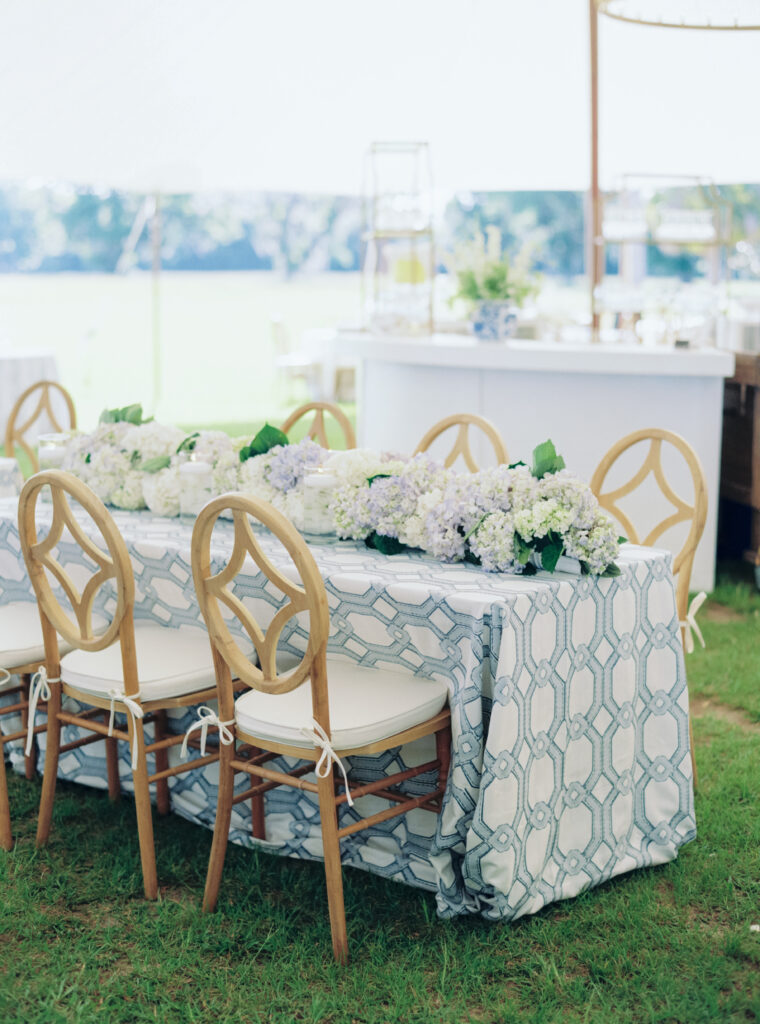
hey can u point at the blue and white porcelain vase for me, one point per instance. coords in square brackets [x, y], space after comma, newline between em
[493, 321]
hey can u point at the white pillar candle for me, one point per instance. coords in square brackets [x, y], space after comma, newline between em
[195, 487]
[51, 450]
[318, 491]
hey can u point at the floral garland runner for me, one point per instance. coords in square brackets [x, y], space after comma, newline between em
[508, 519]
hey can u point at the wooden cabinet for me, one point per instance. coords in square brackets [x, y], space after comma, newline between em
[740, 462]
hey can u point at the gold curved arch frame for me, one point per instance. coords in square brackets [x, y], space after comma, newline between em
[694, 513]
[113, 564]
[465, 420]
[212, 590]
[720, 19]
[317, 430]
[15, 432]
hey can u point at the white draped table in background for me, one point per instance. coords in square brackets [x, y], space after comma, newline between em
[569, 712]
[18, 370]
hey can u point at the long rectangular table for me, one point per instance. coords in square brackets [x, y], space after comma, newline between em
[569, 709]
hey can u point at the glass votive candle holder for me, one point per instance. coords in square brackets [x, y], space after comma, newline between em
[318, 492]
[11, 480]
[51, 450]
[195, 487]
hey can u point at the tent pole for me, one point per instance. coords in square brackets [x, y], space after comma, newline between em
[595, 249]
[155, 235]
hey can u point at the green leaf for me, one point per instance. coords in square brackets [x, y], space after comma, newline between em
[530, 569]
[550, 554]
[127, 414]
[189, 443]
[471, 558]
[385, 545]
[153, 465]
[268, 437]
[522, 550]
[546, 460]
[585, 569]
[132, 414]
[378, 476]
[514, 465]
[612, 570]
[88, 457]
[622, 540]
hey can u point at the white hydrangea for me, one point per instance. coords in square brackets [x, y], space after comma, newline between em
[108, 466]
[151, 440]
[538, 519]
[128, 492]
[493, 542]
[161, 491]
[219, 450]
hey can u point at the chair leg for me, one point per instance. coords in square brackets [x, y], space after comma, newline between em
[6, 838]
[30, 761]
[693, 756]
[258, 824]
[163, 801]
[443, 753]
[112, 768]
[144, 816]
[221, 826]
[53, 745]
[331, 844]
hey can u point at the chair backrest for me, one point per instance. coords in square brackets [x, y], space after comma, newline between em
[317, 430]
[309, 596]
[15, 431]
[694, 514]
[113, 564]
[461, 446]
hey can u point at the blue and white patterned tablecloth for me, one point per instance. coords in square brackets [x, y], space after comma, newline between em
[569, 713]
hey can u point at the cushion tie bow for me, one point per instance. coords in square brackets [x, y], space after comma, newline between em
[320, 739]
[690, 626]
[39, 689]
[133, 709]
[208, 719]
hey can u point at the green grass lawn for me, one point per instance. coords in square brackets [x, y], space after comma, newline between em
[668, 944]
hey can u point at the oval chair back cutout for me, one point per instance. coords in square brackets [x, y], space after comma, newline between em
[15, 431]
[461, 446]
[693, 513]
[309, 596]
[113, 563]
[317, 430]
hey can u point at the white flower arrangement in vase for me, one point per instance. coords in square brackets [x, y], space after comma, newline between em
[493, 287]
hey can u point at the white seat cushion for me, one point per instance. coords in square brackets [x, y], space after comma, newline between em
[170, 663]
[21, 635]
[366, 705]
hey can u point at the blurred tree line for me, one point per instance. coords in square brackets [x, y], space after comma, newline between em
[53, 229]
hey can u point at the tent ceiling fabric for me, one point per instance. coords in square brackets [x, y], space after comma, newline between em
[250, 94]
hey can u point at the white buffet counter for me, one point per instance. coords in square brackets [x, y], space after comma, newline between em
[583, 397]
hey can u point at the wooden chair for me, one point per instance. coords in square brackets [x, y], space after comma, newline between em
[139, 670]
[21, 651]
[15, 432]
[464, 420]
[693, 513]
[317, 430]
[319, 711]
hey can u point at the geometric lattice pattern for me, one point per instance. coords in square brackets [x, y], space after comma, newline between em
[570, 760]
